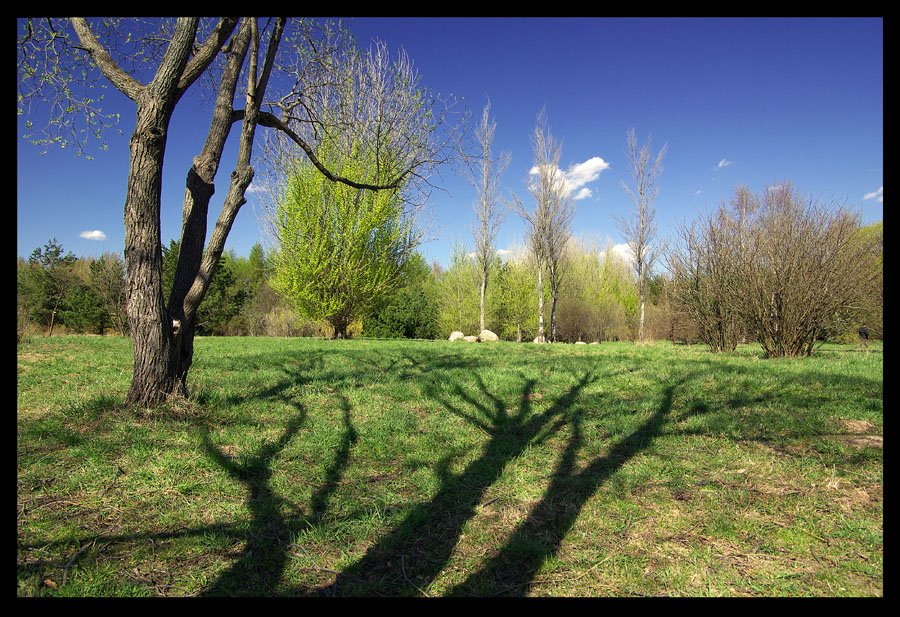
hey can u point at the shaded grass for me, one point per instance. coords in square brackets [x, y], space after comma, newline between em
[389, 468]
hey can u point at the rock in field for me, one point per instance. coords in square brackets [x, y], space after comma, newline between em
[487, 335]
[456, 335]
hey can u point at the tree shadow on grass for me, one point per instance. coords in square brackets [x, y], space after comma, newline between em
[265, 556]
[420, 546]
[274, 520]
[513, 568]
[259, 569]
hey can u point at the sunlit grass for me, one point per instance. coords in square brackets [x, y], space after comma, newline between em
[368, 467]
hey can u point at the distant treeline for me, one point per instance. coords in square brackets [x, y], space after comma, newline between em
[59, 292]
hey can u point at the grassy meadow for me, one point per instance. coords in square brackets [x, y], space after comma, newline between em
[309, 467]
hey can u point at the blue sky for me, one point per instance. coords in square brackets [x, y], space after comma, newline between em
[737, 101]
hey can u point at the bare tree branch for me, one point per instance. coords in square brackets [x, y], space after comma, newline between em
[490, 210]
[639, 227]
[124, 82]
[548, 224]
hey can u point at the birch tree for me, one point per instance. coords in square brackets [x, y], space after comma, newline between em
[639, 226]
[490, 210]
[548, 222]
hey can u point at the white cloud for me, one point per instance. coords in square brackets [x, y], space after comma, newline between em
[96, 234]
[578, 175]
[583, 194]
[582, 173]
[724, 163]
[877, 195]
[624, 252]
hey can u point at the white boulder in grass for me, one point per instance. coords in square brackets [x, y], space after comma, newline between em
[470, 339]
[456, 335]
[487, 335]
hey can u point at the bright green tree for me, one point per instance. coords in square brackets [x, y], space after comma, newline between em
[618, 298]
[458, 294]
[515, 310]
[869, 309]
[340, 248]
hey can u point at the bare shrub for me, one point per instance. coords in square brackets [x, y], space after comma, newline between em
[787, 268]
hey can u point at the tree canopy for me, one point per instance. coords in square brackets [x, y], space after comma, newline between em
[339, 248]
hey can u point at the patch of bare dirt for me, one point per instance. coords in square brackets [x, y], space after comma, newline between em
[862, 441]
[858, 436]
[857, 426]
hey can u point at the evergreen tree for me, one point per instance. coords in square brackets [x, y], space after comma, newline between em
[411, 311]
[47, 281]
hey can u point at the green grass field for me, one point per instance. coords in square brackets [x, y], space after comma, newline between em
[305, 467]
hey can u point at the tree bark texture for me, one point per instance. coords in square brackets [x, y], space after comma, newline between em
[151, 330]
[200, 187]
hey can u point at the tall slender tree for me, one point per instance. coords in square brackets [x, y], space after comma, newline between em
[639, 227]
[549, 221]
[490, 210]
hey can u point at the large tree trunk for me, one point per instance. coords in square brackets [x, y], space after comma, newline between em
[151, 330]
[199, 190]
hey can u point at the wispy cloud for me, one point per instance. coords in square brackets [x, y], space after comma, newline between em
[96, 234]
[724, 163]
[583, 194]
[876, 195]
[255, 189]
[579, 174]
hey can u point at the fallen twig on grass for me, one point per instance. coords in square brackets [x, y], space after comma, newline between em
[403, 567]
[72, 560]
